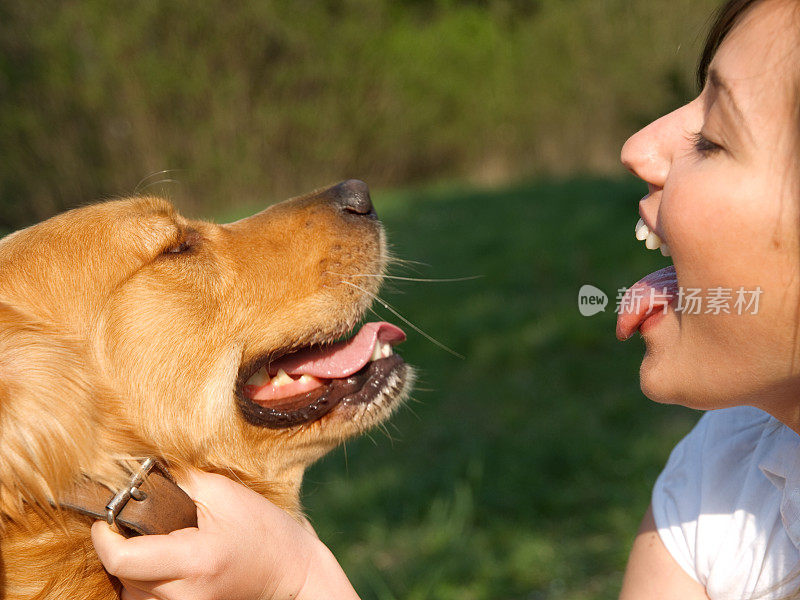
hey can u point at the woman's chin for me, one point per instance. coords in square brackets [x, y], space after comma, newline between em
[661, 375]
[670, 376]
[700, 365]
[658, 380]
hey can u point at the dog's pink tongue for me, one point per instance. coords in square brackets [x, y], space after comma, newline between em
[643, 298]
[341, 359]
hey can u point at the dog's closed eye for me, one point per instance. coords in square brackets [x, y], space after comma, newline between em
[187, 243]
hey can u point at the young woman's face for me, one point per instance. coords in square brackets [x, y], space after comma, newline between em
[722, 175]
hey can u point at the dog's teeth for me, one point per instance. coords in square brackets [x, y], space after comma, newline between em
[307, 379]
[259, 378]
[381, 350]
[281, 379]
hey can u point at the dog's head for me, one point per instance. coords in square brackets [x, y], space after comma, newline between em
[127, 330]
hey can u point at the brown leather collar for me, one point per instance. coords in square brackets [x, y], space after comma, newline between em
[151, 504]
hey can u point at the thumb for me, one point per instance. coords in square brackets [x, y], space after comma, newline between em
[205, 487]
[144, 558]
[108, 544]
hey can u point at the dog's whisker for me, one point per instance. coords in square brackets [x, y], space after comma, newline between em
[410, 408]
[419, 279]
[380, 316]
[405, 261]
[154, 183]
[394, 311]
[415, 401]
[235, 476]
[388, 434]
[403, 267]
[138, 187]
[372, 310]
[390, 288]
[395, 427]
[434, 280]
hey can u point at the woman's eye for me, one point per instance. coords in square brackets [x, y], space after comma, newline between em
[703, 146]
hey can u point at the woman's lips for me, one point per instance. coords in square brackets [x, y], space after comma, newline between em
[648, 295]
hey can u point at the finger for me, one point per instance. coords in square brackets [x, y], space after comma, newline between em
[193, 481]
[175, 589]
[144, 558]
[190, 481]
[203, 487]
[214, 494]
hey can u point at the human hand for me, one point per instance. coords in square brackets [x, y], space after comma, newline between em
[244, 548]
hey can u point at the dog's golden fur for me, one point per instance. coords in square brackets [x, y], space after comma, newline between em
[123, 329]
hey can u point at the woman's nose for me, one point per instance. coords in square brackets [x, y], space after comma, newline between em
[648, 153]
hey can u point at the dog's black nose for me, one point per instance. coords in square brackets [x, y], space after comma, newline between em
[353, 196]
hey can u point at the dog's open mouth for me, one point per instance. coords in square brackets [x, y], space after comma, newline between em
[307, 384]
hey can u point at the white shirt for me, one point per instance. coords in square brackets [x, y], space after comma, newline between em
[727, 505]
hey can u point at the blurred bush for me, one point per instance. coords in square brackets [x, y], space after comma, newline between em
[249, 100]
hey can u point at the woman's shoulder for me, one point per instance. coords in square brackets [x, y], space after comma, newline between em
[717, 465]
[741, 421]
[717, 503]
[723, 442]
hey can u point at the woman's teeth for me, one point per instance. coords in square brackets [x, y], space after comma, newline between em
[650, 239]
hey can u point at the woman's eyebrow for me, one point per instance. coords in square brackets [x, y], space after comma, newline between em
[718, 84]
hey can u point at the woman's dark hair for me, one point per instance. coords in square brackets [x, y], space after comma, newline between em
[726, 17]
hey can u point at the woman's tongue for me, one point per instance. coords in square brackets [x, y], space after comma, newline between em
[648, 295]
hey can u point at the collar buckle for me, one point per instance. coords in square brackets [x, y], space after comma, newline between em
[118, 502]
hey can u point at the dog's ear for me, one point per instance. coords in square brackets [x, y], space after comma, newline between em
[47, 408]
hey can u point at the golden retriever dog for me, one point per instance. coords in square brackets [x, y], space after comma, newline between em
[128, 331]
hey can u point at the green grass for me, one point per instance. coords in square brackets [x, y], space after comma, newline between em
[521, 471]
